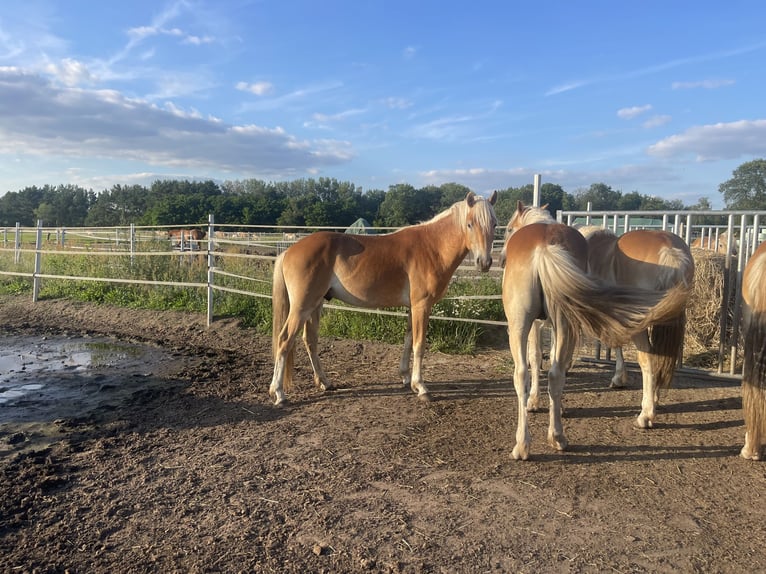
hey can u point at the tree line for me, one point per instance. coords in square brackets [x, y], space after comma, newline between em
[323, 202]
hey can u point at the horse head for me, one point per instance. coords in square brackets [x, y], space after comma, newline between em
[480, 224]
[524, 215]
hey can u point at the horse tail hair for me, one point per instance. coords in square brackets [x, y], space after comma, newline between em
[610, 313]
[666, 339]
[280, 308]
[676, 265]
[754, 366]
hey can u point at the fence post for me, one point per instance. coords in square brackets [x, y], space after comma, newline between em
[210, 266]
[17, 244]
[38, 256]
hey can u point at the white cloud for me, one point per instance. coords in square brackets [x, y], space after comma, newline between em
[715, 141]
[633, 112]
[657, 121]
[409, 52]
[257, 88]
[71, 72]
[705, 84]
[68, 122]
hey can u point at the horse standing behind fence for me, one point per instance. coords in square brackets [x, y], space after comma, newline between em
[408, 268]
[649, 259]
[754, 368]
[545, 278]
[185, 236]
[711, 243]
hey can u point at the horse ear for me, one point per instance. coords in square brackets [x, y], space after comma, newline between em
[519, 207]
[544, 206]
[470, 198]
[493, 198]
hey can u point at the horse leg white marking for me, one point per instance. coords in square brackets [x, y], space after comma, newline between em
[561, 358]
[286, 341]
[620, 378]
[275, 389]
[751, 450]
[419, 328]
[645, 420]
[404, 363]
[535, 352]
[517, 338]
[311, 341]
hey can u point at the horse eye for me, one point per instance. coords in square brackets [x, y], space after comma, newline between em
[470, 226]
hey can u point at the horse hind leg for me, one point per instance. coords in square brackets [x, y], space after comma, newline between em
[535, 354]
[561, 360]
[311, 342]
[283, 356]
[650, 394]
[404, 364]
[517, 340]
[620, 378]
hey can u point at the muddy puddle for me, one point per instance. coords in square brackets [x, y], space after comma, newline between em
[46, 381]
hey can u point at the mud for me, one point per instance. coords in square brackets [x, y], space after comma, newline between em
[178, 462]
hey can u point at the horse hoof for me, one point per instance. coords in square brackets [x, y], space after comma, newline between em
[327, 387]
[520, 453]
[748, 454]
[425, 398]
[533, 405]
[643, 422]
[560, 443]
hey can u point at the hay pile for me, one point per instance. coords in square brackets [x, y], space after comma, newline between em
[703, 312]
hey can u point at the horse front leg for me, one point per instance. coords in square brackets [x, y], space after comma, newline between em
[419, 328]
[311, 342]
[404, 363]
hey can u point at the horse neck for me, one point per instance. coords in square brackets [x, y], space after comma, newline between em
[445, 237]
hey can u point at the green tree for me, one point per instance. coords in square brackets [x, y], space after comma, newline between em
[405, 205]
[747, 187]
[600, 196]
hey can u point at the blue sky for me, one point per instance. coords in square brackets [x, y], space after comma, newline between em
[664, 98]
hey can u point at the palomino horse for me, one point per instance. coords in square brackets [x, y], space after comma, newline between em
[649, 259]
[711, 243]
[754, 369]
[408, 268]
[545, 278]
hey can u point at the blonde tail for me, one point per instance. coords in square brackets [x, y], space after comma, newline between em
[610, 313]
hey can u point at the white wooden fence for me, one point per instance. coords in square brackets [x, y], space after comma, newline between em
[123, 240]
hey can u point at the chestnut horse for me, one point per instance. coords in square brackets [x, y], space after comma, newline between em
[649, 259]
[545, 278]
[754, 368]
[409, 268]
[185, 236]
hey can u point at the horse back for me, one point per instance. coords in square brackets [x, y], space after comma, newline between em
[654, 259]
[536, 235]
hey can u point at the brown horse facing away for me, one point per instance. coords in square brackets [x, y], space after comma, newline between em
[649, 259]
[545, 278]
[185, 236]
[754, 368]
[409, 268]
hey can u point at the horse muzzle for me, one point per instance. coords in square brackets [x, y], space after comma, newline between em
[484, 263]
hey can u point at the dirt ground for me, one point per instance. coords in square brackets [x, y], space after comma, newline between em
[193, 469]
